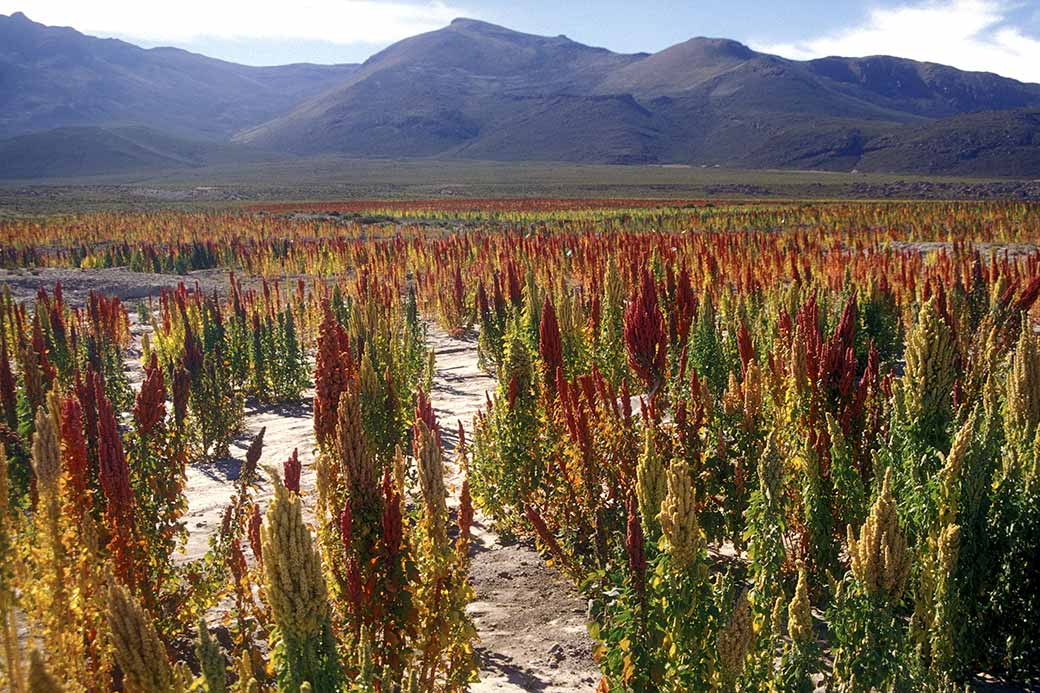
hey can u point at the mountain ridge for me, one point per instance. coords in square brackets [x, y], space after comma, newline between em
[476, 90]
[57, 77]
[702, 101]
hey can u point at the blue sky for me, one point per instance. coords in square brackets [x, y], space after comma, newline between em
[995, 35]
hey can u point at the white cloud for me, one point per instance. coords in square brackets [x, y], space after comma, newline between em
[334, 21]
[967, 34]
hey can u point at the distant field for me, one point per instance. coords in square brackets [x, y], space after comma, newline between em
[335, 179]
[454, 205]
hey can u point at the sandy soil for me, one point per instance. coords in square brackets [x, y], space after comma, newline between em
[530, 619]
[210, 486]
[129, 286]
[1011, 250]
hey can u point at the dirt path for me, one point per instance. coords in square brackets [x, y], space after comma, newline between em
[531, 621]
[210, 486]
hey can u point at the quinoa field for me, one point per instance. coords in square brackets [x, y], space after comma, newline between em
[525, 444]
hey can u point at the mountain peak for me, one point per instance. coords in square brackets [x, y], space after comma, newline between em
[482, 28]
[468, 24]
[19, 18]
[21, 25]
[718, 47]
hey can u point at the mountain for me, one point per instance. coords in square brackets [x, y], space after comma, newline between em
[458, 90]
[474, 90]
[80, 151]
[480, 91]
[55, 77]
[924, 89]
[1002, 143]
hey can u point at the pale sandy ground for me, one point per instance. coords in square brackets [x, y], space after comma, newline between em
[115, 281]
[531, 621]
